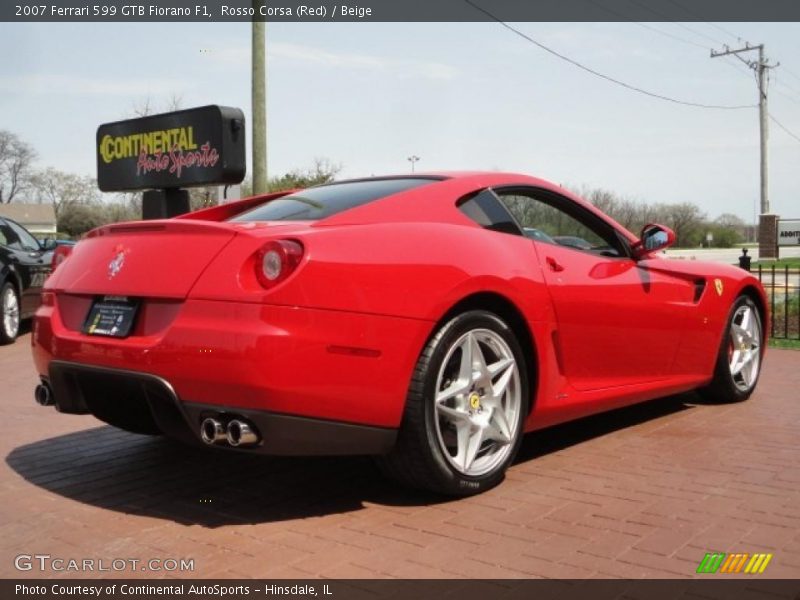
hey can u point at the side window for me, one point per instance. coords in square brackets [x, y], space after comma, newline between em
[8, 237]
[25, 240]
[487, 211]
[542, 219]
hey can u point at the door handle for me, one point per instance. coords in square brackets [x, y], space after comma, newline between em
[554, 265]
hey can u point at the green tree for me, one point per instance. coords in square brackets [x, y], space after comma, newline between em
[77, 219]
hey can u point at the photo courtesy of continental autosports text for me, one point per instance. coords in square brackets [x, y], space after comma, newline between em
[420, 299]
[216, 590]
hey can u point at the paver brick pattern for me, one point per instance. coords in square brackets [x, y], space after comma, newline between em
[641, 492]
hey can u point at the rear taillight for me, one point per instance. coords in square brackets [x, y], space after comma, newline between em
[59, 255]
[276, 261]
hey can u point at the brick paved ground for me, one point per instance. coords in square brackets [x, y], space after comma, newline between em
[642, 492]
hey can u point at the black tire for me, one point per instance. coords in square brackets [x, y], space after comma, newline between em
[8, 337]
[418, 459]
[725, 387]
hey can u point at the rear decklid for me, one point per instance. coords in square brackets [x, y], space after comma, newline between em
[157, 259]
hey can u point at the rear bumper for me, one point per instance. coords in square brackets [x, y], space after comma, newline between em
[331, 366]
[146, 403]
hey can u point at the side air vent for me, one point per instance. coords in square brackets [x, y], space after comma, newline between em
[699, 288]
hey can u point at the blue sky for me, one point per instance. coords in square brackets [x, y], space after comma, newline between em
[460, 96]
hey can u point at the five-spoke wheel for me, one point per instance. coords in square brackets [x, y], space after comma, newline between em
[744, 349]
[465, 408]
[739, 361]
[477, 402]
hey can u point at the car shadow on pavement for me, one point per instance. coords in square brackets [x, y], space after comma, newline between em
[109, 468]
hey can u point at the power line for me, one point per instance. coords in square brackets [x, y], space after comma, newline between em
[646, 26]
[597, 73]
[788, 97]
[788, 72]
[681, 25]
[782, 126]
[727, 60]
[714, 25]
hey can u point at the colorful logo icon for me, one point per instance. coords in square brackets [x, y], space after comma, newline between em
[743, 562]
[116, 263]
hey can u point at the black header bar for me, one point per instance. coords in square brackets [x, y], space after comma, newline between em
[398, 10]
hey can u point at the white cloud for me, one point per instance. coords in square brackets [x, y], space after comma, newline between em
[51, 83]
[240, 56]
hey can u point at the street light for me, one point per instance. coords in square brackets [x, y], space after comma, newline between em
[413, 159]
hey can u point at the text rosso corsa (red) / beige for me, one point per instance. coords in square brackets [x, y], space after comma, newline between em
[301, 10]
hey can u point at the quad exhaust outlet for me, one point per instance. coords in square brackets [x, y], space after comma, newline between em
[44, 395]
[241, 434]
[212, 431]
[238, 433]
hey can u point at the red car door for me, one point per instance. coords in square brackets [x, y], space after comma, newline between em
[619, 323]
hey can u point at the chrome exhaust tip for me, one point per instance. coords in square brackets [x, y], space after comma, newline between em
[43, 395]
[241, 434]
[212, 431]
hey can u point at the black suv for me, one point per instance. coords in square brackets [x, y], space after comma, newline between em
[24, 265]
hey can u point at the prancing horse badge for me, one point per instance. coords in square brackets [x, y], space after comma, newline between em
[718, 286]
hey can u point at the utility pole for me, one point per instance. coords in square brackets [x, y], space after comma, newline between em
[761, 67]
[413, 160]
[259, 101]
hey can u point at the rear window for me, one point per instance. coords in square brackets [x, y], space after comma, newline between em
[326, 200]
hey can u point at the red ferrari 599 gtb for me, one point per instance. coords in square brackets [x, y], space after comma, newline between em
[429, 320]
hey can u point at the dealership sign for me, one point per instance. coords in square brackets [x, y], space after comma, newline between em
[198, 146]
[789, 232]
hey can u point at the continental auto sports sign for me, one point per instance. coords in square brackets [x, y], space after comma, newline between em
[198, 146]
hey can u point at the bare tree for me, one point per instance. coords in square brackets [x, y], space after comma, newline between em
[16, 158]
[322, 171]
[63, 190]
[730, 221]
[686, 220]
[146, 107]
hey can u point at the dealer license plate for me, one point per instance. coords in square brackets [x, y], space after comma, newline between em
[111, 316]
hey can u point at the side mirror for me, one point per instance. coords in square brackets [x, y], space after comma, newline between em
[48, 245]
[653, 238]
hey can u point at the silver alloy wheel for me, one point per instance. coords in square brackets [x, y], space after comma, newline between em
[10, 313]
[478, 401]
[744, 350]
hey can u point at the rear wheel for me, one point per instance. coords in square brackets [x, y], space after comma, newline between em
[9, 313]
[739, 361]
[465, 409]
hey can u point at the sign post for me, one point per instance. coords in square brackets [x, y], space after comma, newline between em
[166, 153]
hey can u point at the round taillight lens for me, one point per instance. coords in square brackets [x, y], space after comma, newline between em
[277, 260]
[272, 265]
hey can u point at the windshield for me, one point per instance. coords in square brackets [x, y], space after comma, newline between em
[326, 200]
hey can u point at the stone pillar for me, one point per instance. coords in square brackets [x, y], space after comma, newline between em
[768, 237]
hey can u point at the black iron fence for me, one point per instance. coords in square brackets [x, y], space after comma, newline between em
[782, 285]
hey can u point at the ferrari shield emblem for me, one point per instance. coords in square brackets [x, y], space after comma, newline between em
[116, 263]
[718, 286]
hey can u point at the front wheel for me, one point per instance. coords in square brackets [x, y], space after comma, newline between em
[465, 408]
[9, 313]
[739, 360]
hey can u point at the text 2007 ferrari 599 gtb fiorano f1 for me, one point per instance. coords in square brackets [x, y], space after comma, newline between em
[407, 317]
